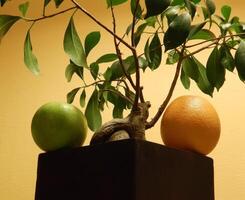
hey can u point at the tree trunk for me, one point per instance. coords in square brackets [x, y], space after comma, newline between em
[132, 126]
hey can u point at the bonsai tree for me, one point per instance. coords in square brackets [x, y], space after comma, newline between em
[166, 28]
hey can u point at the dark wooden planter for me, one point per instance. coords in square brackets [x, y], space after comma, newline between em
[124, 170]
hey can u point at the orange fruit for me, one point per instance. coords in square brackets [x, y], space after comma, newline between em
[191, 123]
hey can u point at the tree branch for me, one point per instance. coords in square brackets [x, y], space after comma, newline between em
[201, 49]
[100, 24]
[137, 74]
[134, 23]
[119, 52]
[169, 95]
[138, 94]
[214, 39]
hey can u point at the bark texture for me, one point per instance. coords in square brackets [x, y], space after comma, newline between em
[132, 126]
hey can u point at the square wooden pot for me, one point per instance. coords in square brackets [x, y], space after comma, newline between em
[124, 170]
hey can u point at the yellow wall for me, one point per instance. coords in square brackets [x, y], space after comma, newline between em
[22, 93]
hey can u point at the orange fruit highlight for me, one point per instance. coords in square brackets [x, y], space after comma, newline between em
[191, 123]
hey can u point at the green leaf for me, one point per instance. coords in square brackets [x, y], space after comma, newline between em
[191, 7]
[205, 13]
[215, 70]
[94, 70]
[115, 2]
[151, 21]
[73, 46]
[234, 20]
[210, 6]
[240, 29]
[142, 63]
[108, 73]
[103, 93]
[71, 95]
[46, 2]
[240, 61]
[177, 31]
[177, 2]
[172, 12]
[147, 51]
[115, 98]
[29, 58]
[91, 40]
[117, 112]
[203, 82]
[227, 60]
[203, 34]
[139, 10]
[58, 3]
[226, 12]
[224, 27]
[173, 57]
[102, 99]
[116, 70]
[23, 8]
[71, 69]
[232, 43]
[156, 7]
[107, 58]
[195, 29]
[129, 29]
[155, 52]
[192, 10]
[190, 68]
[138, 33]
[196, 1]
[6, 22]
[185, 79]
[92, 112]
[2, 2]
[129, 64]
[83, 98]
[131, 96]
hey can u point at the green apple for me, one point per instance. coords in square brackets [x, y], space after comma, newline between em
[58, 125]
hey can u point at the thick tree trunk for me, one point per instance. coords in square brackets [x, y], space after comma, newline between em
[132, 126]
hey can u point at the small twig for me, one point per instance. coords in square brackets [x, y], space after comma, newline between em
[151, 33]
[92, 84]
[125, 83]
[169, 95]
[103, 81]
[44, 8]
[48, 16]
[200, 43]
